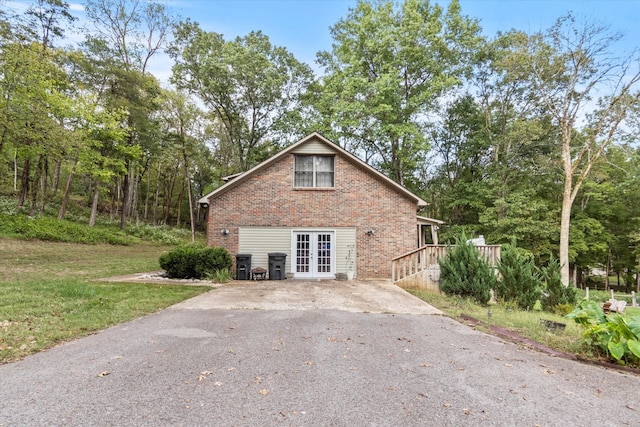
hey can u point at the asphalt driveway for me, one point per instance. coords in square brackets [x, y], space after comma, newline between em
[199, 364]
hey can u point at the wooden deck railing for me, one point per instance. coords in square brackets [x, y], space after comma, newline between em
[420, 269]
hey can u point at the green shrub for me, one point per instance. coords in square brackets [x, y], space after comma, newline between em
[615, 336]
[555, 291]
[159, 233]
[520, 279]
[465, 273]
[211, 260]
[563, 309]
[222, 276]
[55, 230]
[8, 206]
[195, 261]
[180, 262]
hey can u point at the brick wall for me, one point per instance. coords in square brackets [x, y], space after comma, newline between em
[358, 199]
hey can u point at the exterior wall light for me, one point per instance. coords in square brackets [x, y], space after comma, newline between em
[369, 232]
[224, 231]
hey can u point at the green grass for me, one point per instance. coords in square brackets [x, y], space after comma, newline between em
[49, 293]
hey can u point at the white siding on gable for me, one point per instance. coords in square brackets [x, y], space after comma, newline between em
[314, 147]
[260, 241]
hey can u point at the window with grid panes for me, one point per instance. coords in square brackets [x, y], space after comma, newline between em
[313, 172]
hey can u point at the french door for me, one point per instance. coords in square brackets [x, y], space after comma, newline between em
[313, 254]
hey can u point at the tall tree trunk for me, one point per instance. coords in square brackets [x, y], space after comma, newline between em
[606, 271]
[168, 198]
[180, 199]
[147, 196]
[126, 197]
[113, 209]
[56, 177]
[191, 215]
[135, 212]
[15, 170]
[94, 205]
[156, 197]
[24, 182]
[67, 191]
[35, 188]
[43, 186]
[3, 137]
[567, 203]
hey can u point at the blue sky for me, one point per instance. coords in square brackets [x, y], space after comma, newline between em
[302, 26]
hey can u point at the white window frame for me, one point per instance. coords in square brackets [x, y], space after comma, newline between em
[314, 171]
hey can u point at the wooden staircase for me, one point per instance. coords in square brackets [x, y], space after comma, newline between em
[419, 269]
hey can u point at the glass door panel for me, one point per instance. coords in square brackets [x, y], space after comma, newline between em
[314, 253]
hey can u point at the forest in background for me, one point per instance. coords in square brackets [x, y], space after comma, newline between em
[522, 137]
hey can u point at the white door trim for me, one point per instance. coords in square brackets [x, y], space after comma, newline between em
[316, 255]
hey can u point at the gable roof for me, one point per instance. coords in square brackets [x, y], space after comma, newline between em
[239, 178]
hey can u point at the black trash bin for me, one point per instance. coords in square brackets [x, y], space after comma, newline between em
[243, 267]
[277, 262]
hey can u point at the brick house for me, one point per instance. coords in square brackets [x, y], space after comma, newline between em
[327, 210]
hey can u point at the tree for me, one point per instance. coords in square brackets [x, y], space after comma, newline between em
[128, 34]
[567, 68]
[251, 87]
[388, 69]
[183, 121]
[47, 20]
[520, 280]
[465, 273]
[33, 87]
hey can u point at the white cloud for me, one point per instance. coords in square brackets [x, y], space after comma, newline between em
[77, 7]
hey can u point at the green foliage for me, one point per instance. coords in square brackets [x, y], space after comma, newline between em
[465, 273]
[520, 279]
[160, 234]
[251, 86]
[614, 335]
[55, 230]
[195, 261]
[555, 292]
[211, 260]
[8, 206]
[563, 309]
[389, 65]
[222, 276]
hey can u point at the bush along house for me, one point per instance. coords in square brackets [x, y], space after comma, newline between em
[315, 211]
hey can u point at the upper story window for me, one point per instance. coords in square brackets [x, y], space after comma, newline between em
[313, 172]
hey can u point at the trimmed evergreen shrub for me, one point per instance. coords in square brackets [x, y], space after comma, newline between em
[520, 279]
[211, 260]
[465, 273]
[195, 261]
[556, 293]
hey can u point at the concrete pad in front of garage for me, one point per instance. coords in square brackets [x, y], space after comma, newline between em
[352, 296]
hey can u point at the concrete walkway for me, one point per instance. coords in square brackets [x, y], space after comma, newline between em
[352, 296]
[356, 296]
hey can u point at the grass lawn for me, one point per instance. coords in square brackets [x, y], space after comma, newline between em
[48, 295]
[526, 323]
